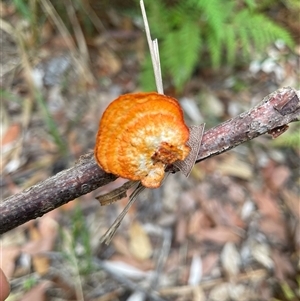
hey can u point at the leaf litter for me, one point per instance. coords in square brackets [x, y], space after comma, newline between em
[234, 224]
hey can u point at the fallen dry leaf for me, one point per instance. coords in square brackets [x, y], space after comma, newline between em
[8, 257]
[278, 177]
[231, 260]
[233, 166]
[120, 244]
[199, 220]
[41, 264]
[209, 262]
[222, 214]
[42, 239]
[139, 243]
[267, 204]
[261, 253]
[275, 230]
[11, 135]
[181, 229]
[218, 235]
[144, 265]
[283, 266]
[293, 202]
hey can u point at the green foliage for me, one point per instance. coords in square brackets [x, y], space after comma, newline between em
[223, 31]
[76, 244]
[36, 15]
[23, 8]
[50, 123]
[288, 291]
[290, 139]
[29, 283]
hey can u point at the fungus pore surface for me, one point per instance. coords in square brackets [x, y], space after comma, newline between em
[139, 134]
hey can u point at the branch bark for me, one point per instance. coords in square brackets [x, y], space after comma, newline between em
[271, 115]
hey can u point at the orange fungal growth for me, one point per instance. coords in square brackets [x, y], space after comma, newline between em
[139, 134]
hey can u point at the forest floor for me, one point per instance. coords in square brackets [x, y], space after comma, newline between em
[228, 232]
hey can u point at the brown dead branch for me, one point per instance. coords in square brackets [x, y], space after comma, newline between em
[271, 115]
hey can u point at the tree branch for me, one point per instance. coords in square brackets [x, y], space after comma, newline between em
[271, 115]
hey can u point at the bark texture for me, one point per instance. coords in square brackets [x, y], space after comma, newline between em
[271, 116]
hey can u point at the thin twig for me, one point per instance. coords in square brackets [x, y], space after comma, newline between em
[273, 112]
[127, 282]
[108, 236]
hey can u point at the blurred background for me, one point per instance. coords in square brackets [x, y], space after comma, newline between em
[228, 232]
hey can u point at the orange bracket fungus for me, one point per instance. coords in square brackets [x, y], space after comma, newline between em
[139, 135]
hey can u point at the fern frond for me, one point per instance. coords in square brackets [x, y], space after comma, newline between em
[251, 4]
[182, 52]
[227, 31]
[159, 18]
[147, 77]
[211, 12]
[230, 44]
[256, 31]
[214, 46]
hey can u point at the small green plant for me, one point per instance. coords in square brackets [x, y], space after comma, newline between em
[290, 139]
[29, 282]
[76, 243]
[191, 31]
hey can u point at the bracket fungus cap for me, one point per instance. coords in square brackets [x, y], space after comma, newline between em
[139, 135]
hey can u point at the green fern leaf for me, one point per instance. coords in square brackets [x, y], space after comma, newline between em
[159, 18]
[214, 46]
[181, 52]
[214, 12]
[230, 44]
[147, 76]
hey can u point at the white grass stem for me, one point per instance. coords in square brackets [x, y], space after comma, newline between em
[154, 52]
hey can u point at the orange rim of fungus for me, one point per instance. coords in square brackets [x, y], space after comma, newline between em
[139, 135]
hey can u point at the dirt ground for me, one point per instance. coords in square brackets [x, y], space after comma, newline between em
[228, 232]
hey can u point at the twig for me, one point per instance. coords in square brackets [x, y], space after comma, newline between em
[187, 290]
[274, 112]
[162, 258]
[108, 236]
[127, 282]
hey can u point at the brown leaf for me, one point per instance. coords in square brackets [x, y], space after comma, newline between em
[275, 175]
[222, 214]
[120, 243]
[278, 177]
[219, 235]
[144, 265]
[283, 265]
[236, 168]
[139, 244]
[181, 229]
[209, 262]
[8, 257]
[41, 264]
[267, 204]
[11, 135]
[199, 220]
[275, 230]
[43, 235]
[293, 202]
